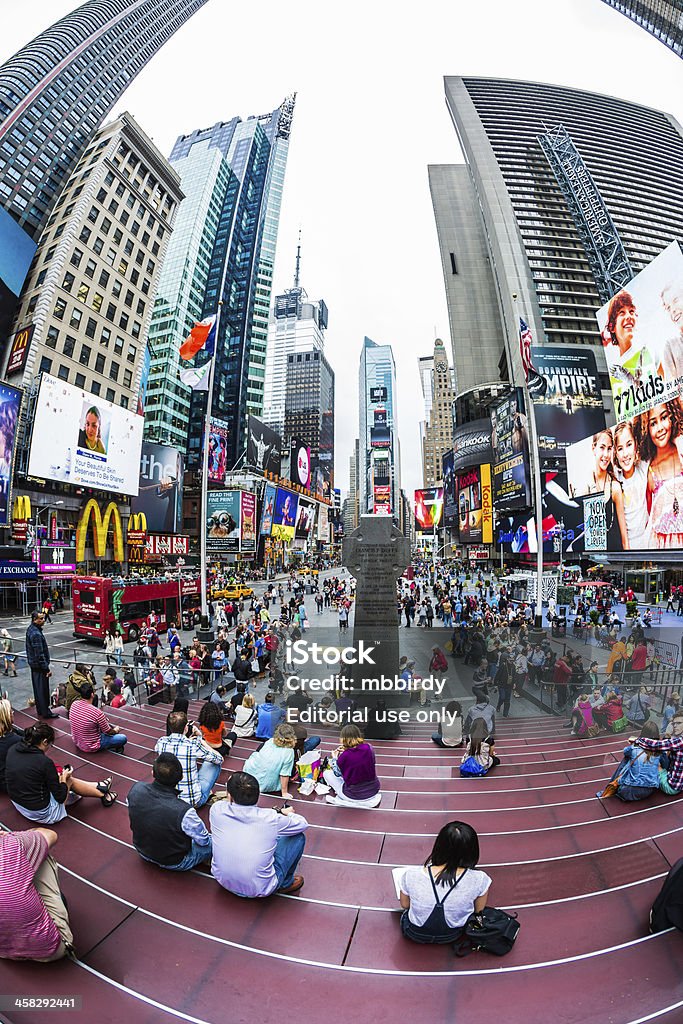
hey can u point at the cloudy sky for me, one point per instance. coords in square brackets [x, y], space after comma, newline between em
[370, 117]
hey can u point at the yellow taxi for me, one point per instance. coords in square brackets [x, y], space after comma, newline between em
[233, 592]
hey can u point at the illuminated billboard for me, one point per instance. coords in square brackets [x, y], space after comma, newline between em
[218, 451]
[571, 406]
[450, 490]
[284, 514]
[510, 444]
[263, 448]
[428, 508]
[300, 463]
[563, 517]
[475, 505]
[247, 521]
[82, 440]
[17, 250]
[160, 488]
[269, 494]
[305, 518]
[223, 509]
[10, 403]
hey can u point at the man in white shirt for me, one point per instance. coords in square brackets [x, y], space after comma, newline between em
[255, 849]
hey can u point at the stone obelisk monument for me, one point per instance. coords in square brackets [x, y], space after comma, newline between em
[377, 555]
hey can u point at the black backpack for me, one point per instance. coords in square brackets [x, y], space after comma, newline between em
[667, 909]
[492, 931]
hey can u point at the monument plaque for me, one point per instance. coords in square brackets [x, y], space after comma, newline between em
[377, 554]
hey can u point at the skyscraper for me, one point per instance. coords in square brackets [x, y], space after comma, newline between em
[379, 469]
[661, 18]
[309, 411]
[437, 436]
[297, 325]
[240, 269]
[574, 192]
[57, 89]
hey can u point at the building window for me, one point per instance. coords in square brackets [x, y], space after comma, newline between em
[124, 401]
[75, 319]
[79, 380]
[105, 337]
[95, 387]
[97, 301]
[76, 257]
[84, 358]
[118, 345]
[90, 328]
[51, 337]
[63, 372]
[99, 364]
[83, 293]
[110, 395]
[85, 234]
[132, 354]
[45, 365]
[67, 283]
[90, 268]
[114, 371]
[94, 214]
[127, 378]
[111, 312]
[123, 321]
[104, 278]
[60, 309]
[69, 344]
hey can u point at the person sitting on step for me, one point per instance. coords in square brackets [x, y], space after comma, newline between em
[439, 897]
[353, 776]
[273, 764]
[637, 774]
[480, 746]
[449, 731]
[91, 730]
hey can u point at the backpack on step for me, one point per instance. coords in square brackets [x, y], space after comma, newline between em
[492, 931]
[667, 909]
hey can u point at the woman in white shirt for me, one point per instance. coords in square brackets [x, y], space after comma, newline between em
[118, 648]
[245, 716]
[439, 898]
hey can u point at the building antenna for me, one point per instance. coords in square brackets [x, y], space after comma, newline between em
[297, 274]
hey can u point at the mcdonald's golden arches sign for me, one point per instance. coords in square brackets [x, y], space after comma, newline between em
[100, 530]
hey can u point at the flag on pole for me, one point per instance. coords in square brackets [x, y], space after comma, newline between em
[197, 377]
[201, 336]
[535, 381]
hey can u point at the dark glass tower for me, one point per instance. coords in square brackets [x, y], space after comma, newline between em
[661, 18]
[57, 90]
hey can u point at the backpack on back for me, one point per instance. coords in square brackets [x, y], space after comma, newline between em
[667, 909]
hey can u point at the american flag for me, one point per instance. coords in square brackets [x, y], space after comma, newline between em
[536, 382]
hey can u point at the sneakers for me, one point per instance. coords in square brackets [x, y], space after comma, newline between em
[294, 887]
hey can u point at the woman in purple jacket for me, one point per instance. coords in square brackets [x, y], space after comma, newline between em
[352, 777]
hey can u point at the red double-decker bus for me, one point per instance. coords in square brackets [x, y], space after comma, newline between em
[102, 604]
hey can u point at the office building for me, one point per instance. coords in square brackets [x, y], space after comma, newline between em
[437, 435]
[351, 519]
[297, 324]
[57, 90]
[240, 270]
[573, 191]
[89, 295]
[379, 470]
[661, 18]
[309, 409]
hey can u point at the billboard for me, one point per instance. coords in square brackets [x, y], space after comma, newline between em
[475, 508]
[300, 464]
[378, 394]
[21, 342]
[428, 508]
[562, 515]
[218, 451]
[56, 560]
[595, 524]
[642, 333]
[247, 521]
[269, 493]
[263, 448]
[223, 521]
[82, 440]
[160, 488]
[17, 250]
[382, 500]
[472, 444]
[572, 404]
[284, 514]
[10, 404]
[305, 518]
[450, 497]
[323, 529]
[510, 444]
[380, 434]
[159, 545]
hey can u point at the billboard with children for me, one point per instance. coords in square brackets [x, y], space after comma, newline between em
[642, 334]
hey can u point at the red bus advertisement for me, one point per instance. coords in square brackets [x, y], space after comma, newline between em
[100, 603]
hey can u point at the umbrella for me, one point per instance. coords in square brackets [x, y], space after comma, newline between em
[593, 583]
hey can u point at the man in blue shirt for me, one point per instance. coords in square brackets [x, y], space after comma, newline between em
[269, 717]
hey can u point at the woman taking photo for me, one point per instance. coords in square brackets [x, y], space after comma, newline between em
[439, 898]
[37, 788]
[352, 777]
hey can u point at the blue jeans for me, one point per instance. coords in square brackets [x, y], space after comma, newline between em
[311, 743]
[110, 742]
[196, 855]
[288, 851]
[448, 620]
[208, 773]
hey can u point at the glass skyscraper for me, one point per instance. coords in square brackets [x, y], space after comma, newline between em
[661, 18]
[239, 273]
[56, 91]
[377, 426]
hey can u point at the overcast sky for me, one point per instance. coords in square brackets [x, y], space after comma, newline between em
[370, 117]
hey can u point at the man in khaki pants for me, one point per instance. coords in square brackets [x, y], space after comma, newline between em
[34, 922]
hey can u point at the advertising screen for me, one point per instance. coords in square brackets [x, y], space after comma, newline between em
[263, 448]
[10, 403]
[160, 488]
[284, 515]
[572, 405]
[450, 497]
[380, 435]
[595, 524]
[218, 451]
[475, 508]
[269, 495]
[16, 252]
[378, 394]
[79, 439]
[428, 508]
[323, 529]
[223, 521]
[300, 465]
[562, 515]
[510, 444]
[642, 334]
[21, 342]
[305, 518]
[247, 521]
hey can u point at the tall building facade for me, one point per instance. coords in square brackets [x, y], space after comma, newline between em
[57, 90]
[537, 238]
[438, 431]
[309, 408]
[661, 18]
[206, 179]
[297, 324]
[379, 463]
[240, 270]
[88, 298]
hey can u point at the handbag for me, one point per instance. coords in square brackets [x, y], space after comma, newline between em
[620, 724]
[470, 768]
[492, 931]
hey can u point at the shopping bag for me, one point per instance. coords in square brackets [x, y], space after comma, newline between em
[255, 667]
[308, 765]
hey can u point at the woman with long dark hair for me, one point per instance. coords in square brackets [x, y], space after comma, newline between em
[438, 898]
